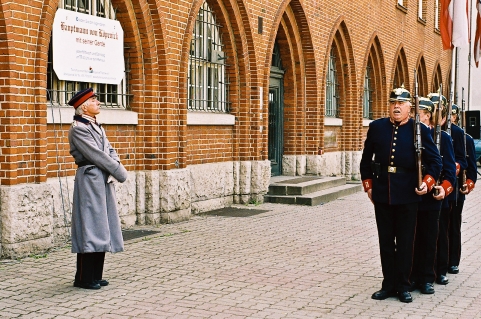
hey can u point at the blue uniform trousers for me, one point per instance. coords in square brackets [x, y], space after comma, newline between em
[426, 246]
[455, 233]
[396, 225]
[443, 239]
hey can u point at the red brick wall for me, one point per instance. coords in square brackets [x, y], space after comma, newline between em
[158, 34]
[210, 142]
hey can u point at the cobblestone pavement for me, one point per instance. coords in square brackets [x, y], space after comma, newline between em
[290, 262]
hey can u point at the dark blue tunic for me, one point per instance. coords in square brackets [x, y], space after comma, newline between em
[457, 134]
[448, 172]
[391, 145]
[469, 162]
[472, 170]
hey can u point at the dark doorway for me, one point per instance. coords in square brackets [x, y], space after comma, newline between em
[275, 130]
[276, 114]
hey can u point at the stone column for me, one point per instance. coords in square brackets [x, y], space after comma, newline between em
[152, 198]
[175, 195]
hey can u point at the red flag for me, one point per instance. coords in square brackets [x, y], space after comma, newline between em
[454, 23]
[477, 36]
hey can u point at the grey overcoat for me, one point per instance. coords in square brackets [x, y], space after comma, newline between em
[95, 220]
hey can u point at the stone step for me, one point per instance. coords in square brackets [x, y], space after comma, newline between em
[283, 185]
[316, 198]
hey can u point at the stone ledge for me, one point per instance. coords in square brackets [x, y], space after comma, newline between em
[206, 118]
[64, 115]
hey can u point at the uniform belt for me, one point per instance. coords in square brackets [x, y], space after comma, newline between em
[399, 170]
[84, 163]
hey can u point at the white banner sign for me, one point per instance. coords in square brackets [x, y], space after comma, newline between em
[87, 48]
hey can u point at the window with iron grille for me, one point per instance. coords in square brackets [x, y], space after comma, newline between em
[208, 84]
[367, 96]
[332, 86]
[59, 92]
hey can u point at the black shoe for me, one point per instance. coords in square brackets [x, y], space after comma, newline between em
[442, 280]
[427, 289]
[86, 285]
[102, 282]
[405, 296]
[453, 269]
[382, 294]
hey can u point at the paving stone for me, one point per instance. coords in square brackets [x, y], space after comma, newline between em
[282, 261]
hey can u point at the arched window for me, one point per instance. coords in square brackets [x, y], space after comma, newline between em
[332, 87]
[367, 96]
[437, 79]
[401, 77]
[207, 78]
[59, 92]
[398, 76]
[422, 78]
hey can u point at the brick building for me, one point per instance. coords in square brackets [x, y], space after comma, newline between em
[217, 96]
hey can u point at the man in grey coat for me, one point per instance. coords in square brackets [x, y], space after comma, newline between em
[95, 221]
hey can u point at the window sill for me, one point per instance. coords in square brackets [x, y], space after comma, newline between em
[205, 118]
[332, 121]
[64, 115]
[436, 30]
[366, 122]
[422, 21]
[402, 8]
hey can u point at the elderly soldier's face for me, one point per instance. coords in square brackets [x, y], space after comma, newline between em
[399, 110]
[92, 106]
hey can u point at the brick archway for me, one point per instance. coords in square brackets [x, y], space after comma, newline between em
[422, 77]
[375, 61]
[349, 110]
[437, 78]
[400, 70]
[145, 78]
[302, 119]
[243, 76]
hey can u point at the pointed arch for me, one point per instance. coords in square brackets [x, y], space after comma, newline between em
[146, 52]
[241, 71]
[422, 77]
[290, 29]
[375, 74]
[400, 70]
[150, 53]
[437, 78]
[340, 44]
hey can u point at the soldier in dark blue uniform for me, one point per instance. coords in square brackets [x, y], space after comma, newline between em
[430, 207]
[457, 207]
[389, 176]
[451, 202]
